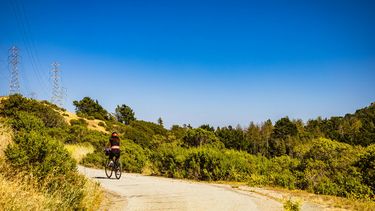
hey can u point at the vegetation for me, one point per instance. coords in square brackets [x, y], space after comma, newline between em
[332, 156]
[124, 114]
[88, 107]
[290, 205]
[45, 171]
[289, 153]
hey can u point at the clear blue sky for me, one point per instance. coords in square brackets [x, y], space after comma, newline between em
[216, 62]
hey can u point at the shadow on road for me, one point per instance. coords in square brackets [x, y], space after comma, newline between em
[105, 178]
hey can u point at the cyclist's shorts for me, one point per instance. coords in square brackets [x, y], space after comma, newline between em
[114, 152]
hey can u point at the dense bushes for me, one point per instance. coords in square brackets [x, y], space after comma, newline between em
[47, 165]
[329, 167]
[38, 158]
[288, 154]
[199, 137]
[16, 103]
[319, 167]
[133, 158]
[37, 153]
[203, 163]
[366, 164]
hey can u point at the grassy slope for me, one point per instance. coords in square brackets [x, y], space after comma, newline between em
[92, 124]
[14, 191]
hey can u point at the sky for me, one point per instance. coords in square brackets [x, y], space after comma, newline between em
[197, 62]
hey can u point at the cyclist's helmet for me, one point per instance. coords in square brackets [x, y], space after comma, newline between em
[114, 134]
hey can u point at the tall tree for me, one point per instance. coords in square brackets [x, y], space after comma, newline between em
[90, 107]
[160, 122]
[124, 114]
[232, 138]
[283, 137]
[207, 127]
[254, 138]
[266, 132]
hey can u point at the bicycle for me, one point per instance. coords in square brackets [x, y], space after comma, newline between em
[113, 165]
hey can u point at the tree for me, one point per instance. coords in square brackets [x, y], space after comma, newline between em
[89, 107]
[207, 127]
[232, 138]
[283, 137]
[160, 121]
[266, 132]
[198, 137]
[254, 138]
[124, 114]
[284, 128]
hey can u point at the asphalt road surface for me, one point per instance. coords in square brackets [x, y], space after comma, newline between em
[156, 193]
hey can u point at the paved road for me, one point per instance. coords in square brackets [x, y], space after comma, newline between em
[157, 193]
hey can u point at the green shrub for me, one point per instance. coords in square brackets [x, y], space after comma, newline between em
[329, 167]
[366, 163]
[137, 136]
[148, 127]
[204, 163]
[198, 137]
[26, 121]
[39, 154]
[133, 157]
[46, 113]
[79, 121]
[283, 172]
[290, 205]
[96, 159]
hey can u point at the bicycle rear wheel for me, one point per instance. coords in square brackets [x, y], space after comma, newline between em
[108, 170]
[118, 170]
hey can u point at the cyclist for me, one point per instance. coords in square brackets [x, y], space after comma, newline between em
[114, 144]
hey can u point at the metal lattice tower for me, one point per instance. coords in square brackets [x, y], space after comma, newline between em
[14, 85]
[56, 89]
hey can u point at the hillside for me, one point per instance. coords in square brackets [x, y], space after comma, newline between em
[34, 165]
[287, 154]
[92, 124]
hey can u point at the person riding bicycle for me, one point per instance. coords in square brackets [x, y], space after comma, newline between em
[114, 144]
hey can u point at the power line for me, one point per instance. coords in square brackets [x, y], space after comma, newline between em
[14, 85]
[57, 95]
[29, 43]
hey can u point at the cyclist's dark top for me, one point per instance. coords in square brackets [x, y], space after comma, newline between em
[115, 141]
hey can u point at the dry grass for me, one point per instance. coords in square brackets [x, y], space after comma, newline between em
[14, 192]
[5, 135]
[14, 189]
[17, 196]
[93, 195]
[92, 124]
[324, 202]
[79, 151]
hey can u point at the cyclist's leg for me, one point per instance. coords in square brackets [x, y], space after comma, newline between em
[117, 155]
[111, 155]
